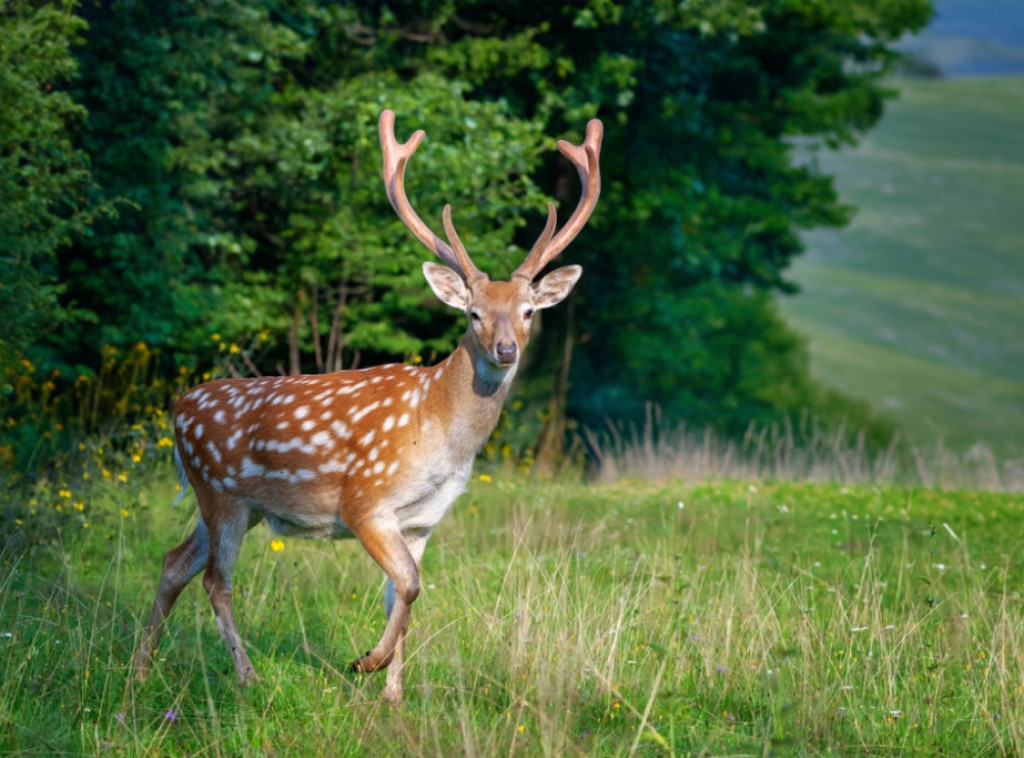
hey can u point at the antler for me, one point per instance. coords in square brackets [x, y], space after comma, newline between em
[585, 158]
[396, 156]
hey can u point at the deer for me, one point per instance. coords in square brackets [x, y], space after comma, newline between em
[378, 454]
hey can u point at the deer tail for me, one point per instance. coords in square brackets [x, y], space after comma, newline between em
[184, 485]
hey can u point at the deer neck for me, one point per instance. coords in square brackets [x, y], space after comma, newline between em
[474, 392]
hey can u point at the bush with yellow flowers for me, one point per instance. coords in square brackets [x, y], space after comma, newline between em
[62, 437]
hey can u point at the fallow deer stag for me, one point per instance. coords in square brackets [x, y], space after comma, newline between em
[378, 454]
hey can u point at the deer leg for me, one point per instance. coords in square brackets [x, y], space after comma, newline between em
[384, 542]
[394, 685]
[225, 541]
[180, 565]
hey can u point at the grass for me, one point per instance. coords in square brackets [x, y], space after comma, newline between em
[917, 305]
[640, 617]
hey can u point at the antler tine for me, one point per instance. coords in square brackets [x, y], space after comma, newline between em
[396, 155]
[547, 234]
[585, 158]
[469, 270]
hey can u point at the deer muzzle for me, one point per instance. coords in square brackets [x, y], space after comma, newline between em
[506, 353]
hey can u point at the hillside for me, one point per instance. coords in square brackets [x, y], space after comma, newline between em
[971, 38]
[918, 305]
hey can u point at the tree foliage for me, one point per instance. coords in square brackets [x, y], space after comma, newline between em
[44, 178]
[707, 104]
[242, 139]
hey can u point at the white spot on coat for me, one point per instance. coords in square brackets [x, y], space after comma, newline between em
[368, 409]
[250, 468]
[333, 467]
[323, 439]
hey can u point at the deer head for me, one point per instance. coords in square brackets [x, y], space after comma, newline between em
[499, 313]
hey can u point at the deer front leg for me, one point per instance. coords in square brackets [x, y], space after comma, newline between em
[384, 542]
[396, 669]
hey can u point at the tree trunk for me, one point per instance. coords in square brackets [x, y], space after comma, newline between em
[294, 364]
[551, 440]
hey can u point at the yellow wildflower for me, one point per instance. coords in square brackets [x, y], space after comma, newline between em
[276, 545]
[486, 478]
[165, 442]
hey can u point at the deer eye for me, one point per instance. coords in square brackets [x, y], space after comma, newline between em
[475, 316]
[528, 314]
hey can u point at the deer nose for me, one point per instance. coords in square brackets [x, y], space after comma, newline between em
[506, 352]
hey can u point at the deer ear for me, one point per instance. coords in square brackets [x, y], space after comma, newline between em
[447, 285]
[555, 287]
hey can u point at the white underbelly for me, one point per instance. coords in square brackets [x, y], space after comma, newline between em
[417, 506]
[327, 526]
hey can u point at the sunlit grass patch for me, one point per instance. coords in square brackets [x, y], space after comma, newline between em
[650, 617]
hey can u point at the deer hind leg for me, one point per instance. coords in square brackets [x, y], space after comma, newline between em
[384, 542]
[179, 567]
[225, 542]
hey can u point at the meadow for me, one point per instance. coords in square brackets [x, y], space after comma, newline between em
[650, 617]
[917, 306]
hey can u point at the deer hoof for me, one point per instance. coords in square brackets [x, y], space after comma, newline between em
[369, 663]
[248, 677]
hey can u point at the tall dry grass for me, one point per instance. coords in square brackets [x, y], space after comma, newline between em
[661, 450]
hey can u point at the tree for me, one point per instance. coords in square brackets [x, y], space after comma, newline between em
[713, 112]
[45, 190]
[243, 135]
